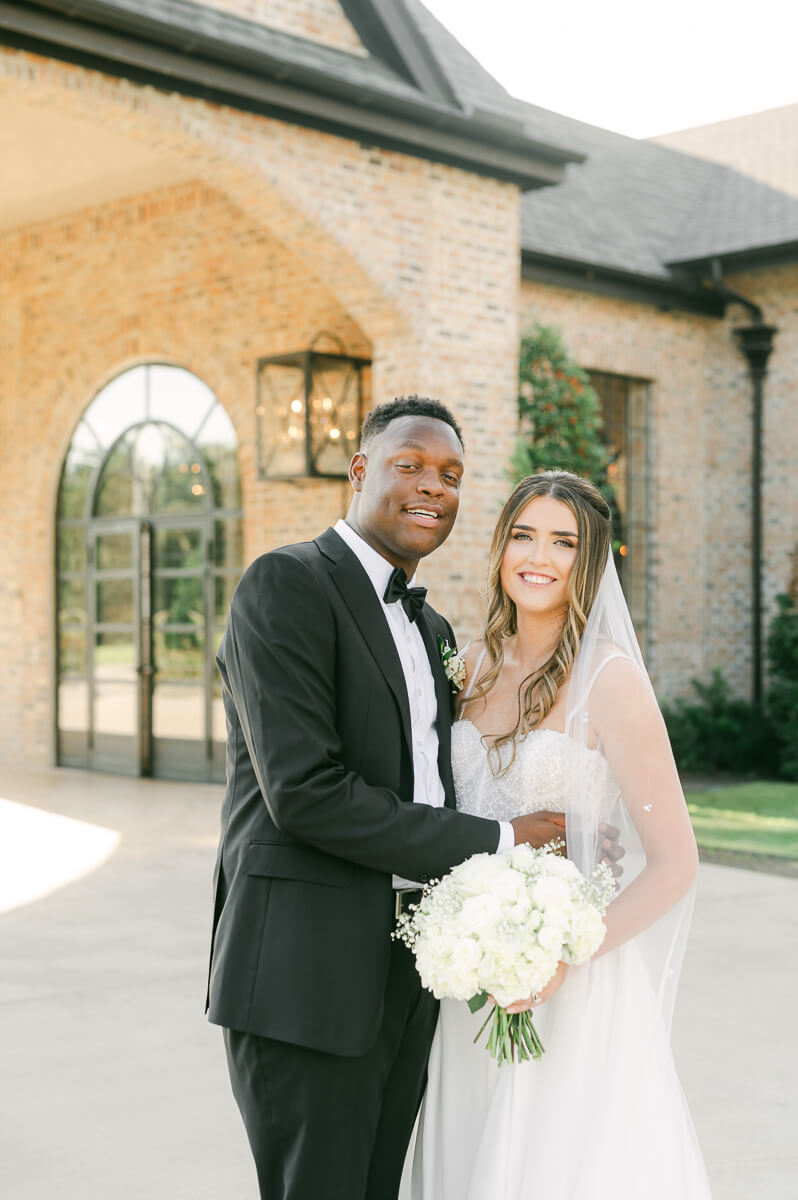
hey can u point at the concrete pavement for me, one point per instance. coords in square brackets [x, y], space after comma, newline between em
[113, 1086]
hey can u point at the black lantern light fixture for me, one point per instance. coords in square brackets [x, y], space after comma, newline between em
[309, 409]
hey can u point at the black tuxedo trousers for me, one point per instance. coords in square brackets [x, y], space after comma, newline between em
[317, 816]
[327, 1127]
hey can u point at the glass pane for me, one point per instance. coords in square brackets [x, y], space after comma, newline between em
[178, 397]
[217, 440]
[218, 718]
[224, 586]
[119, 405]
[115, 493]
[115, 707]
[71, 548]
[115, 601]
[179, 655]
[115, 550]
[179, 601]
[179, 548]
[72, 652]
[114, 656]
[72, 601]
[176, 482]
[81, 461]
[228, 543]
[334, 414]
[178, 712]
[281, 417]
[73, 705]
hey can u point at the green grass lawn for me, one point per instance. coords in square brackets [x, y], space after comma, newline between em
[750, 818]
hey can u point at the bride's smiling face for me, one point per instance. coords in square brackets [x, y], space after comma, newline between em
[539, 556]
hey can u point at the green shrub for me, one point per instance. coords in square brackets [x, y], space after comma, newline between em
[782, 696]
[718, 732]
[560, 413]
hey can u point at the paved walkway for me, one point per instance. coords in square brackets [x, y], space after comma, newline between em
[113, 1086]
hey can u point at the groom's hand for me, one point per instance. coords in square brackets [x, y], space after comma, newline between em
[542, 827]
[539, 828]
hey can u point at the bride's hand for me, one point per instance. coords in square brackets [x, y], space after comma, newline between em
[554, 984]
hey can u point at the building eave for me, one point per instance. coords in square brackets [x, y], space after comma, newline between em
[209, 67]
[684, 295]
[752, 258]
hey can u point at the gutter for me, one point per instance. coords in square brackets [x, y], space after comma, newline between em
[664, 293]
[756, 343]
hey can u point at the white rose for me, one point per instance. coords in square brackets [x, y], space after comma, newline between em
[479, 913]
[477, 874]
[561, 868]
[543, 962]
[550, 892]
[467, 955]
[456, 671]
[551, 936]
[510, 887]
[462, 985]
[586, 934]
[522, 857]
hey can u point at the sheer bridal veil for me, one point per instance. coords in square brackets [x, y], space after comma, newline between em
[611, 711]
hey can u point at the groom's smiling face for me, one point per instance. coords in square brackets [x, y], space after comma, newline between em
[407, 489]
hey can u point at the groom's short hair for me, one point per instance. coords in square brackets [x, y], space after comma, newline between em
[406, 406]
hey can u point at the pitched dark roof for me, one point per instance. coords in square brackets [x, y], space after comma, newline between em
[738, 217]
[622, 210]
[644, 208]
[631, 208]
[398, 99]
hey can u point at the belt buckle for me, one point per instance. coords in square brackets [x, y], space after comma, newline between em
[402, 896]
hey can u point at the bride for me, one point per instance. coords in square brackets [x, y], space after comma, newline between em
[558, 713]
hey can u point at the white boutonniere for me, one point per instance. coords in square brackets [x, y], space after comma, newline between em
[453, 666]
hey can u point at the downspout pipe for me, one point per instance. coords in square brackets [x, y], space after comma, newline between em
[756, 343]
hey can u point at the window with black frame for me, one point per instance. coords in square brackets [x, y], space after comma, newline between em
[149, 548]
[624, 409]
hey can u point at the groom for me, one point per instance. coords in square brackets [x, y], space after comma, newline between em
[338, 779]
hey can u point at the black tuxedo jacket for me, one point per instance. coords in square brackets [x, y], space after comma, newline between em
[318, 808]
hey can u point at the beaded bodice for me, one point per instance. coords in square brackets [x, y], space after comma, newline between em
[537, 779]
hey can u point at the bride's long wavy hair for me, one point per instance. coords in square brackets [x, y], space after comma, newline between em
[538, 692]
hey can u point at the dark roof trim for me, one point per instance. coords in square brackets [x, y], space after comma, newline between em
[750, 259]
[682, 295]
[181, 59]
[387, 32]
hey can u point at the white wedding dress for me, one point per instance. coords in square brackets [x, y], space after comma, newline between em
[601, 1116]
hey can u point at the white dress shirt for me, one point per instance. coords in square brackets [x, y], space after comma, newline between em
[427, 786]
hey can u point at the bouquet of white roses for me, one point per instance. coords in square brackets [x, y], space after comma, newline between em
[499, 924]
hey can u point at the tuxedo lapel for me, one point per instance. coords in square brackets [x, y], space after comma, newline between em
[443, 694]
[358, 594]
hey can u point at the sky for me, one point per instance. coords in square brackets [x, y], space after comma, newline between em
[634, 66]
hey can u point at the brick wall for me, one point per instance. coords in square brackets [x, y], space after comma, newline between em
[283, 232]
[700, 424]
[320, 20]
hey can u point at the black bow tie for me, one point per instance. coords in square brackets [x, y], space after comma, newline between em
[397, 589]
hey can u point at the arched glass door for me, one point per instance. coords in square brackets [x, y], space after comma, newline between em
[149, 549]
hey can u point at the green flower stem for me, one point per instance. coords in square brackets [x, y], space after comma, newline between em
[511, 1035]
